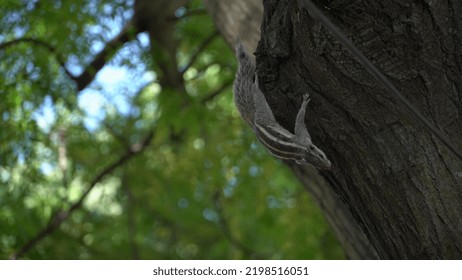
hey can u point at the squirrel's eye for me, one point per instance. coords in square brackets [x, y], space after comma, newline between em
[321, 156]
[311, 148]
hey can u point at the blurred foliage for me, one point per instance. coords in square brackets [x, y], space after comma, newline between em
[203, 189]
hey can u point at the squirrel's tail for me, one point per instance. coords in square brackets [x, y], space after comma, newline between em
[244, 84]
[246, 65]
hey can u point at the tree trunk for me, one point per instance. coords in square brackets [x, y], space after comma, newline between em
[243, 19]
[400, 183]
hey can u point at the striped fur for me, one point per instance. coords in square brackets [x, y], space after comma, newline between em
[279, 142]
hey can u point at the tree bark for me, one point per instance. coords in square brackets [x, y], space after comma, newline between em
[398, 181]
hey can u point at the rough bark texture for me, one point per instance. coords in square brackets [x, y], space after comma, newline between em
[401, 185]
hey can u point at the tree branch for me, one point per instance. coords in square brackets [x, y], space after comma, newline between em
[40, 43]
[217, 92]
[28, 40]
[88, 75]
[131, 221]
[224, 226]
[57, 219]
[201, 48]
[98, 62]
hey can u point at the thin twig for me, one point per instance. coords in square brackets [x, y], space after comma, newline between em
[28, 40]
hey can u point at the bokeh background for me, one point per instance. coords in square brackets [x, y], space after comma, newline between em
[101, 159]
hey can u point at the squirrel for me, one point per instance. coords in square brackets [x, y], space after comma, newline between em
[254, 109]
